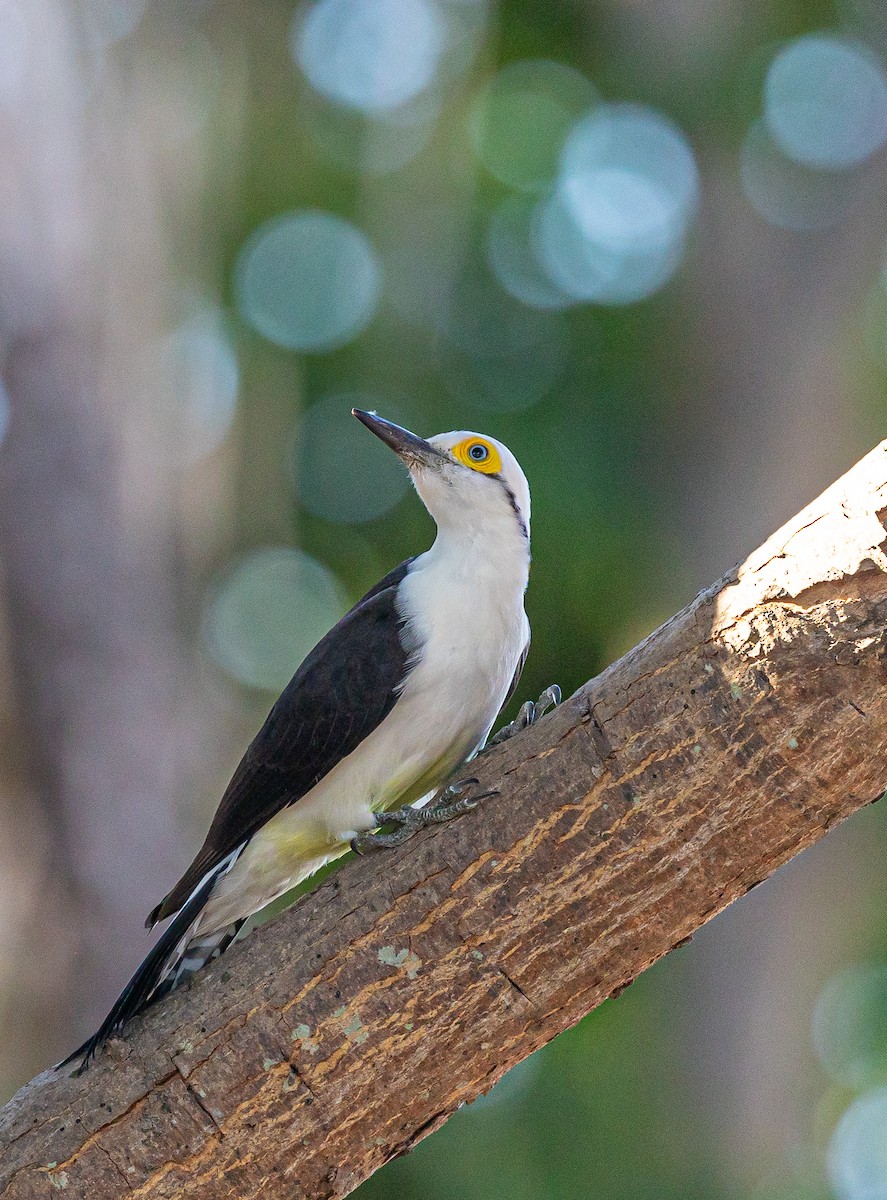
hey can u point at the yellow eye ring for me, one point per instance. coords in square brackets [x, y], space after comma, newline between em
[478, 454]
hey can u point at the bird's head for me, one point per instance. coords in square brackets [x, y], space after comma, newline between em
[466, 480]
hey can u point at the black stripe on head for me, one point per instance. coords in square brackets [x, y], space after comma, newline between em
[512, 500]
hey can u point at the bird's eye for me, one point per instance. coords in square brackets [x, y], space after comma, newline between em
[478, 454]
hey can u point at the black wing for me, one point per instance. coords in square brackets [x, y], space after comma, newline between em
[345, 688]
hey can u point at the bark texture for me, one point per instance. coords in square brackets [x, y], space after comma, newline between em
[343, 1032]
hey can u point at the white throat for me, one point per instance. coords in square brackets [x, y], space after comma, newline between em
[491, 549]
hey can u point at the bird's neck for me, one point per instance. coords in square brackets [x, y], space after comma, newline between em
[493, 550]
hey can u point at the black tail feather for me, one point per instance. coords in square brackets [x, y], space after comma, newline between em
[156, 975]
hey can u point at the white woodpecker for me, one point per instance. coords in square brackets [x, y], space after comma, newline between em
[401, 693]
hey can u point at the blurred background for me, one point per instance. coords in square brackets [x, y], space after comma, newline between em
[640, 241]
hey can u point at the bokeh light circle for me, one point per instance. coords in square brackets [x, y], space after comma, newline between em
[341, 472]
[825, 102]
[308, 281]
[200, 364]
[511, 258]
[372, 55]
[621, 209]
[785, 193]
[600, 272]
[615, 228]
[518, 123]
[850, 1025]
[857, 1152]
[639, 166]
[269, 610]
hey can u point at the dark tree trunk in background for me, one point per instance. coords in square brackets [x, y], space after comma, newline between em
[90, 624]
[87, 554]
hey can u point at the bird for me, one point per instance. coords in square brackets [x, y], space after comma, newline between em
[395, 699]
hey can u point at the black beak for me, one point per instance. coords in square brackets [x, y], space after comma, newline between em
[413, 450]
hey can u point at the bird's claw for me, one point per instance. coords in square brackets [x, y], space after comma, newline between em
[528, 715]
[549, 699]
[448, 804]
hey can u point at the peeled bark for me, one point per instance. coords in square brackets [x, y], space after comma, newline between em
[340, 1034]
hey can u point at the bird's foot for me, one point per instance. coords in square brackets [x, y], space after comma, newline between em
[528, 715]
[449, 803]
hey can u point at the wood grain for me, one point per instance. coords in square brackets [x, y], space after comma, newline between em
[343, 1032]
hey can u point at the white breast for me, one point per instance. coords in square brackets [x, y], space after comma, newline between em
[466, 618]
[466, 629]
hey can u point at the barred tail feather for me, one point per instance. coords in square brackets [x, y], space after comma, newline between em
[176, 956]
[195, 954]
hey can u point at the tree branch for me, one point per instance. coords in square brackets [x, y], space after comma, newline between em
[340, 1034]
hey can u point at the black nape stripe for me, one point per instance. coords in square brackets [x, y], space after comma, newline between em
[512, 500]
